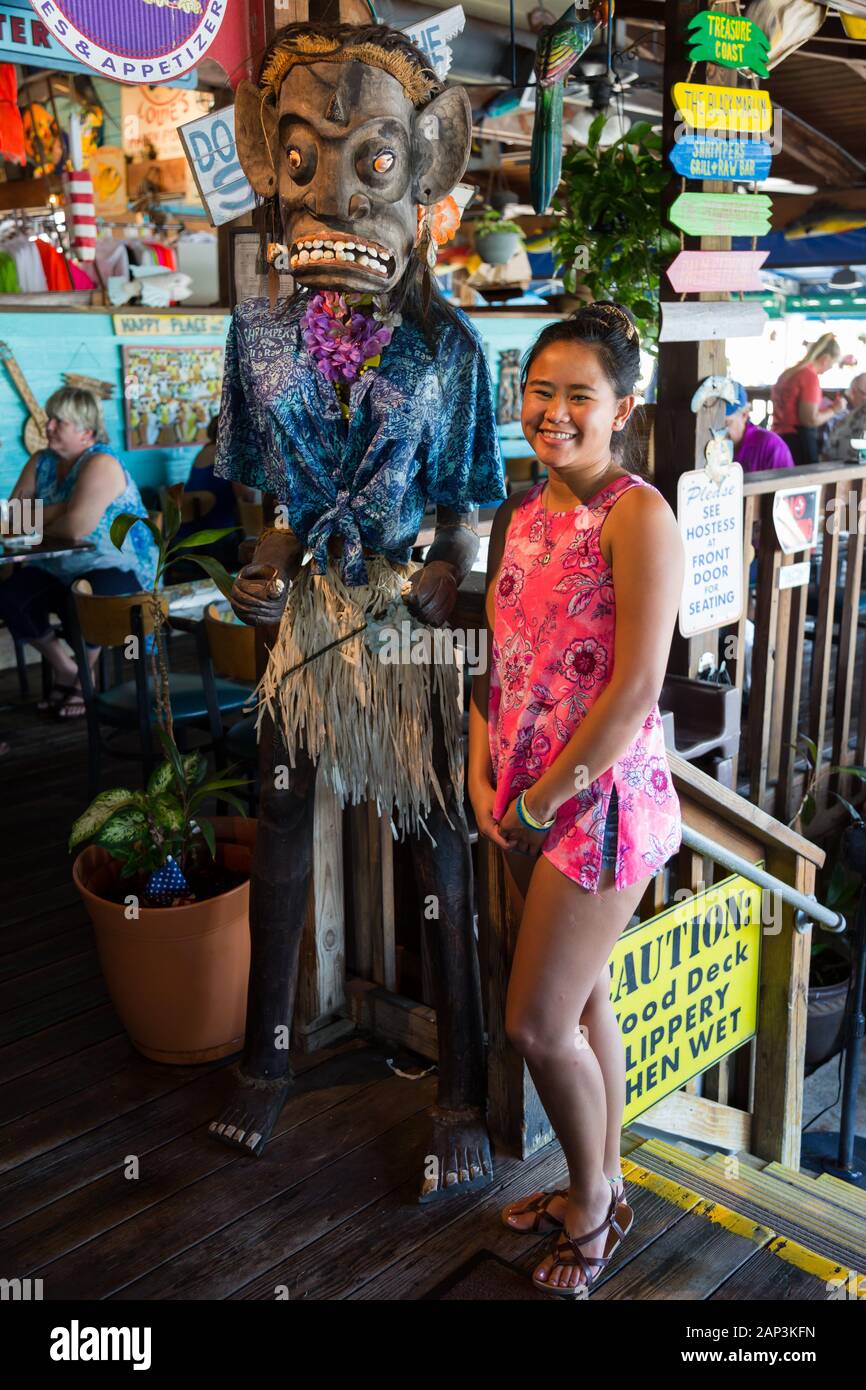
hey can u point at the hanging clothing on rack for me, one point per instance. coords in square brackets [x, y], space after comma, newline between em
[28, 264]
[8, 275]
[82, 279]
[112, 258]
[56, 274]
[11, 125]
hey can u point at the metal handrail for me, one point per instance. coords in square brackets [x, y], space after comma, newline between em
[809, 909]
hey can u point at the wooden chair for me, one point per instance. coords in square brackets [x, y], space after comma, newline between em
[111, 621]
[251, 517]
[232, 651]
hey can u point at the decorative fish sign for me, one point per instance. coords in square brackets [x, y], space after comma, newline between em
[715, 388]
[825, 219]
[559, 48]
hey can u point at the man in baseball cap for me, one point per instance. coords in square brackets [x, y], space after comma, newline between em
[754, 448]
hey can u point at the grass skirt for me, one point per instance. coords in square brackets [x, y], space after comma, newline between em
[365, 721]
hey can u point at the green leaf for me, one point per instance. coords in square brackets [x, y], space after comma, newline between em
[194, 767]
[171, 750]
[126, 831]
[808, 810]
[171, 511]
[160, 779]
[204, 538]
[218, 573]
[168, 814]
[208, 835]
[123, 524]
[852, 810]
[99, 811]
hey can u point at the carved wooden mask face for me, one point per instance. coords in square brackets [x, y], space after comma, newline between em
[352, 160]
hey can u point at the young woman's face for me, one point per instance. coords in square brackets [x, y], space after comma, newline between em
[569, 410]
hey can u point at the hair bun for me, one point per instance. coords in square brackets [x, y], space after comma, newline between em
[613, 316]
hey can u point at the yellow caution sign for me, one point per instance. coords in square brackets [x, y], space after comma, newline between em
[684, 988]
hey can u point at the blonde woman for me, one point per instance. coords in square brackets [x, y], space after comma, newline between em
[82, 486]
[797, 396]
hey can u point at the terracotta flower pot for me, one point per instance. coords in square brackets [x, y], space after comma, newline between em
[177, 976]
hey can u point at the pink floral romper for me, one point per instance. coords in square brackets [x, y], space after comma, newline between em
[553, 647]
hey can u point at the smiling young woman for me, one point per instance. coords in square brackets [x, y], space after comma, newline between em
[567, 766]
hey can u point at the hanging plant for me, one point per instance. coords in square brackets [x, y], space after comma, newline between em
[610, 237]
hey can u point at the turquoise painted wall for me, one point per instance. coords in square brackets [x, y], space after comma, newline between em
[48, 344]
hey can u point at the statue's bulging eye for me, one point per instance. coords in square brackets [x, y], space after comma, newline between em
[293, 154]
[384, 162]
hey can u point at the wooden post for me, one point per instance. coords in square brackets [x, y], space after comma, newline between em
[681, 435]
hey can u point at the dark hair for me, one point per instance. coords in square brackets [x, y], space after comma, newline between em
[605, 327]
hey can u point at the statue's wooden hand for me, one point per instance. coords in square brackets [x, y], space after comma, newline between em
[259, 594]
[433, 592]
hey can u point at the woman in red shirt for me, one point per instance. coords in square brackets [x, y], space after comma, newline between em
[797, 395]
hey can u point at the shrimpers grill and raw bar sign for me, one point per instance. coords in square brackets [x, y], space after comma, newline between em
[684, 988]
[733, 109]
[729, 40]
[705, 157]
[132, 41]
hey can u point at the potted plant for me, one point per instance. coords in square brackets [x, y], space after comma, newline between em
[497, 239]
[609, 237]
[167, 889]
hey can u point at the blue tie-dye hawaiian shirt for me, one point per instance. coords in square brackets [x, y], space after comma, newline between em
[421, 431]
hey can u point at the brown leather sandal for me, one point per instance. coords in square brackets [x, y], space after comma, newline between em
[567, 1252]
[537, 1203]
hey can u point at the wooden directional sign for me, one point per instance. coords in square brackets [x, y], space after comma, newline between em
[729, 40]
[693, 320]
[698, 272]
[705, 157]
[721, 214]
[735, 110]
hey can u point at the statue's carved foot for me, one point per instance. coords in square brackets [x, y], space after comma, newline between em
[459, 1158]
[248, 1119]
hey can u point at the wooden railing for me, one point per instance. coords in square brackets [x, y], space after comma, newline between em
[827, 702]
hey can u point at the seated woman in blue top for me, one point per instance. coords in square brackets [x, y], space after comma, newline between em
[224, 512]
[82, 486]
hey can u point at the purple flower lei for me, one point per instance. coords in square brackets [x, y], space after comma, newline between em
[340, 336]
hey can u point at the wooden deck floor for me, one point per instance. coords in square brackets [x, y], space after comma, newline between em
[111, 1188]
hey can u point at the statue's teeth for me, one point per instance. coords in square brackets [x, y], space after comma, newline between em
[348, 256]
[316, 255]
[329, 245]
[351, 246]
[304, 257]
[317, 243]
[339, 245]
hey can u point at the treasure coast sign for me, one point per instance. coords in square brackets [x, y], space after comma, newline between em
[728, 40]
[684, 988]
[138, 41]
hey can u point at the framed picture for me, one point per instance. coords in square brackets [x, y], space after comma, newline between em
[248, 273]
[170, 395]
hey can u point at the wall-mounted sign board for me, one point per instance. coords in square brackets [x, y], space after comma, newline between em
[795, 517]
[210, 147]
[710, 518]
[735, 110]
[694, 320]
[729, 40]
[699, 272]
[706, 157]
[721, 214]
